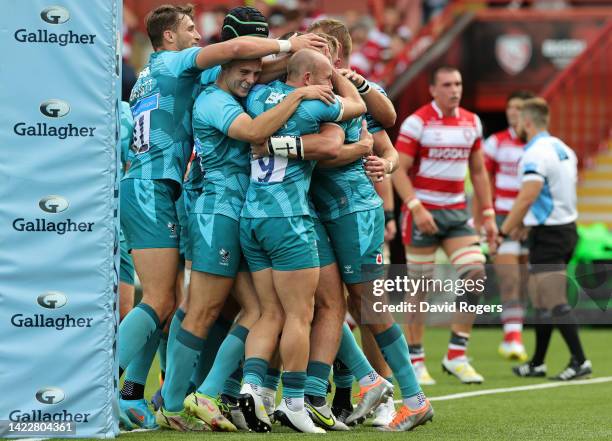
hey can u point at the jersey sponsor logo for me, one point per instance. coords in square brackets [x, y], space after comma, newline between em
[53, 204]
[50, 395]
[54, 108]
[55, 15]
[275, 97]
[513, 52]
[448, 153]
[52, 300]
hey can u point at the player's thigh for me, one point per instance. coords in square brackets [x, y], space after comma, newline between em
[296, 290]
[357, 240]
[269, 302]
[244, 292]
[148, 213]
[157, 269]
[126, 267]
[330, 290]
[208, 291]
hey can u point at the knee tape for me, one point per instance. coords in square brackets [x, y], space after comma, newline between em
[420, 265]
[468, 260]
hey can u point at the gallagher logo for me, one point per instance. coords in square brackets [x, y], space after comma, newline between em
[52, 300]
[53, 204]
[55, 15]
[50, 395]
[55, 108]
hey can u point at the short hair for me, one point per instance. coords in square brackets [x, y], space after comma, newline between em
[332, 42]
[244, 20]
[537, 110]
[163, 18]
[520, 94]
[443, 68]
[336, 29]
[304, 60]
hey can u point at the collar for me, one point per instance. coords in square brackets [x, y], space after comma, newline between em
[439, 111]
[512, 133]
[542, 134]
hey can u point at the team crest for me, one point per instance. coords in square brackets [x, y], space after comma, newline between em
[379, 259]
[224, 257]
[468, 134]
[513, 52]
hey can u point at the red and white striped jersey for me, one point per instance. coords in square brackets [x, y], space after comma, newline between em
[503, 151]
[441, 147]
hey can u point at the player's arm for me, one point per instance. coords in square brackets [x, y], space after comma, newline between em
[257, 130]
[490, 148]
[527, 196]
[324, 145]
[378, 105]
[385, 158]
[254, 47]
[352, 104]
[482, 193]
[353, 151]
[273, 69]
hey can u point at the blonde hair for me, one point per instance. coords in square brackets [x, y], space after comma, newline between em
[537, 110]
[336, 29]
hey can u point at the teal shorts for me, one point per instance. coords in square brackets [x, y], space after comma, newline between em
[326, 253]
[451, 223]
[280, 243]
[148, 213]
[126, 269]
[357, 240]
[183, 208]
[215, 244]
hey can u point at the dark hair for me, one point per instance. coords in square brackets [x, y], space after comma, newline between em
[520, 94]
[443, 68]
[242, 21]
[163, 18]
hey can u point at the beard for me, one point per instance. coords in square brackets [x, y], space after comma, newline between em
[522, 134]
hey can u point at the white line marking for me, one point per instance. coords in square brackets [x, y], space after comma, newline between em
[517, 389]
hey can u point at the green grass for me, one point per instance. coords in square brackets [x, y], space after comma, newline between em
[581, 412]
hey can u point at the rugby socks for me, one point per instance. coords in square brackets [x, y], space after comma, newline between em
[161, 352]
[512, 318]
[214, 341]
[270, 384]
[138, 370]
[231, 387]
[417, 353]
[134, 331]
[254, 372]
[343, 379]
[293, 390]
[352, 356]
[394, 348]
[227, 361]
[415, 402]
[183, 356]
[316, 382]
[568, 327]
[543, 332]
[457, 346]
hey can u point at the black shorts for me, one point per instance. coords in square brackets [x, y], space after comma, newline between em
[551, 247]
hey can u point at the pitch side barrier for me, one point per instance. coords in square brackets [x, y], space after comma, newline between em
[59, 99]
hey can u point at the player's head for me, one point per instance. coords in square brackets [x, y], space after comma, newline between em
[171, 27]
[514, 104]
[332, 48]
[239, 76]
[446, 87]
[308, 67]
[242, 21]
[533, 118]
[336, 29]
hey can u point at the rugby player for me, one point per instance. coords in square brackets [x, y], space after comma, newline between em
[352, 214]
[442, 140]
[279, 242]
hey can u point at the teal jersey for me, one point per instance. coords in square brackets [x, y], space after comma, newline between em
[162, 101]
[373, 125]
[343, 190]
[195, 177]
[279, 186]
[127, 133]
[223, 161]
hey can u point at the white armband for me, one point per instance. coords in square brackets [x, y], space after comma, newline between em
[285, 146]
[284, 46]
[341, 114]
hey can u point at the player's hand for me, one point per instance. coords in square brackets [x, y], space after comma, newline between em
[323, 93]
[490, 227]
[307, 41]
[390, 230]
[366, 140]
[260, 150]
[352, 76]
[520, 233]
[376, 168]
[424, 220]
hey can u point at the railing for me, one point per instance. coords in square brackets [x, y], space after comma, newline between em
[580, 99]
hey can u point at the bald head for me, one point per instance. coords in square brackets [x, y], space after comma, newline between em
[307, 67]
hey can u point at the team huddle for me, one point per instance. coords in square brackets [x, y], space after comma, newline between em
[257, 164]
